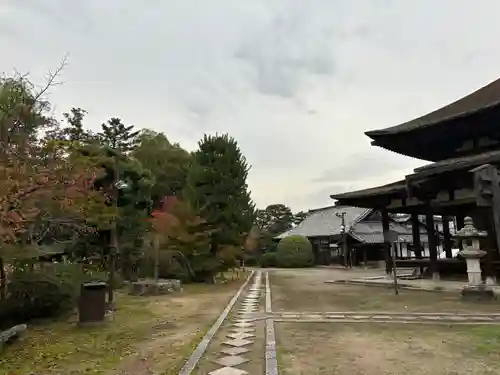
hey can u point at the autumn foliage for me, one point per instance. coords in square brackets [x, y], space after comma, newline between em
[181, 232]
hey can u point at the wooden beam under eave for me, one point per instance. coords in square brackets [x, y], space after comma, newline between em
[396, 203]
[463, 194]
[442, 199]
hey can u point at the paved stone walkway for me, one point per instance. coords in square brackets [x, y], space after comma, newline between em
[241, 337]
[242, 334]
[199, 351]
[379, 317]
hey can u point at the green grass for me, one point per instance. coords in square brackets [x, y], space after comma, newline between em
[53, 347]
[388, 348]
[296, 293]
[485, 339]
[60, 347]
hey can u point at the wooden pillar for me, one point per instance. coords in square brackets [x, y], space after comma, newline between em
[429, 221]
[415, 231]
[387, 244]
[447, 237]
[487, 223]
[459, 224]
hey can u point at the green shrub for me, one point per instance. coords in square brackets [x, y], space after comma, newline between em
[41, 294]
[268, 260]
[49, 291]
[172, 269]
[294, 252]
[251, 259]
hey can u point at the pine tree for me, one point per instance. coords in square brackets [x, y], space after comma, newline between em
[218, 191]
[75, 131]
[119, 137]
[119, 141]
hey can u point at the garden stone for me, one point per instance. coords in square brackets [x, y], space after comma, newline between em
[11, 334]
[237, 342]
[234, 351]
[231, 360]
[154, 288]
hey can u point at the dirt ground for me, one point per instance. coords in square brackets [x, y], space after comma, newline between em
[147, 335]
[360, 349]
[316, 295]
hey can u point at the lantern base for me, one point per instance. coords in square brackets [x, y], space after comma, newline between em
[477, 293]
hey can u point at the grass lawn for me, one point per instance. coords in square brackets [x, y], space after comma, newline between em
[362, 349]
[156, 333]
[304, 290]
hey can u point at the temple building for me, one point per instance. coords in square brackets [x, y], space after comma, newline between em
[335, 229]
[462, 142]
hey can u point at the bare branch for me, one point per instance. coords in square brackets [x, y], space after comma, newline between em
[51, 78]
[42, 236]
[50, 82]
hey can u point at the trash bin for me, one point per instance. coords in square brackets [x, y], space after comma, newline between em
[92, 302]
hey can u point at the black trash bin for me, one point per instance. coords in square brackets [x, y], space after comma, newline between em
[92, 303]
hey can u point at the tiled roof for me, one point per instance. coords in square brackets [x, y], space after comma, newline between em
[371, 232]
[398, 186]
[448, 165]
[325, 222]
[453, 164]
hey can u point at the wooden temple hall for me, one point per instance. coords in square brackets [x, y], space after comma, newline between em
[462, 142]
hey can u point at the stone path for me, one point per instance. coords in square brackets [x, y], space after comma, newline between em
[379, 317]
[271, 360]
[199, 351]
[242, 334]
[240, 339]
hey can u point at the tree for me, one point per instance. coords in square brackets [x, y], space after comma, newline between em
[130, 200]
[272, 221]
[44, 185]
[119, 140]
[168, 162]
[262, 220]
[218, 191]
[299, 217]
[119, 137]
[277, 218]
[179, 234]
[252, 240]
[163, 223]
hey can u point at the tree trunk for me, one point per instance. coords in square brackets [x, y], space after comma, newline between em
[115, 247]
[112, 265]
[3, 281]
[156, 274]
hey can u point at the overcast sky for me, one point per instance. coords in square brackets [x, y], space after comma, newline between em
[296, 82]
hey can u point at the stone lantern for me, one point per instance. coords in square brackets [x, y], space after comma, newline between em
[470, 237]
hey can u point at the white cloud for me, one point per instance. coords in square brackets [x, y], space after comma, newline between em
[295, 82]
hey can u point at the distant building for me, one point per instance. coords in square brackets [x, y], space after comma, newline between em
[405, 219]
[364, 237]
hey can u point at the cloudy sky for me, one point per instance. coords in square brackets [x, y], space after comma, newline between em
[296, 82]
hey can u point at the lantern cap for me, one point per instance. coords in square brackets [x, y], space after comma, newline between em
[470, 231]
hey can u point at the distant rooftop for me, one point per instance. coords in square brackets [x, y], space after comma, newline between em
[324, 222]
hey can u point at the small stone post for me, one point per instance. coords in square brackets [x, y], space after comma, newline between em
[469, 236]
